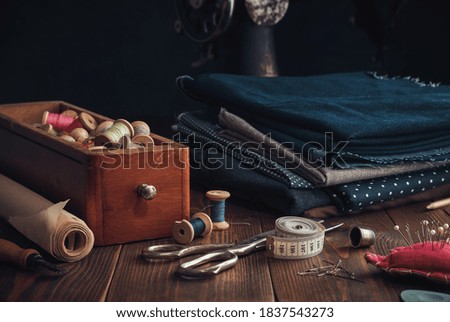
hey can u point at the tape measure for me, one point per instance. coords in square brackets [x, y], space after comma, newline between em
[295, 238]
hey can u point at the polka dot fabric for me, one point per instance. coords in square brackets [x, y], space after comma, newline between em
[354, 197]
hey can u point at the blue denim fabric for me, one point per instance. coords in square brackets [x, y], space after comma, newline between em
[382, 120]
[203, 131]
[242, 172]
[247, 175]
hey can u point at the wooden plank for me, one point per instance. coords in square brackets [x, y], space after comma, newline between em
[155, 280]
[289, 286]
[85, 280]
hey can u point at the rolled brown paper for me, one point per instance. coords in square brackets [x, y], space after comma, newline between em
[63, 235]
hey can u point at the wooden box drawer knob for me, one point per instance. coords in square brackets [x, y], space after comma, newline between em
[146, 191]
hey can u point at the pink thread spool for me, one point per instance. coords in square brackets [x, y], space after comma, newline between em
[85, 121]
[59, 121]
[76, 124]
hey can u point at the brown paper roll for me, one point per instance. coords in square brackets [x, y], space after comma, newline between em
[61, 234]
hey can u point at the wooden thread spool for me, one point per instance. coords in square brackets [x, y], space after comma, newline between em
[126, 143]
[48, 128]
[68, 138]
[140, 127]
[88, 122]
[102, 127]
[84, 121]
[59, 121]
[79, 134]
[70, 113]
[185, 231]
[217, 213]
[76, 124]
[141, 133]
[112, 135]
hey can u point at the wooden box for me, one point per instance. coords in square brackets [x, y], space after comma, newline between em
[101, 185]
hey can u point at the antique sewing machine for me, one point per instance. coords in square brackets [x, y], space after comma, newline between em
[245, 26]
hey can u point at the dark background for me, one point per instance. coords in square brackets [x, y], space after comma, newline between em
[120, 58]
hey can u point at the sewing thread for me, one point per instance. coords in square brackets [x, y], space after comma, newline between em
[119, 129]
[59, 121]
[141, 133]
[140, 127]
[76, 124]
[185, 231]
[217, 208]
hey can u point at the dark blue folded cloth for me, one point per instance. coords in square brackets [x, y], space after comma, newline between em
[217, 163]
[202, 129]
[347, 119]
[220, 164]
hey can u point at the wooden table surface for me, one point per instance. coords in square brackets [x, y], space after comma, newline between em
[118, 273]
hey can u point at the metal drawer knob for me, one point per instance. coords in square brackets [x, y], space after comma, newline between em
[148, 192]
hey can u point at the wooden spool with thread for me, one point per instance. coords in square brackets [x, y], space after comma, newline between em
[217, 213]
[79, 134]
[141, 133]
[70, 113]
[102, 127]
[60, 122]
[112, 135]
[67, 122]
[84, 121]
[185, 231]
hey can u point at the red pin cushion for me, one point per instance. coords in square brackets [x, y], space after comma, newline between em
[423, 259]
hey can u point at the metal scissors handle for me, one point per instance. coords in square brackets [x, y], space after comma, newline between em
[174, 251]
[226, 255]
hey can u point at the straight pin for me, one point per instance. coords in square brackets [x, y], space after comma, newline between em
[409, 234]
[418, 236]
[432, 233]
[397, 228]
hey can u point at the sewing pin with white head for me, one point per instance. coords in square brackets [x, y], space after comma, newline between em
[397, 228]
[441, 233]
[432, 233]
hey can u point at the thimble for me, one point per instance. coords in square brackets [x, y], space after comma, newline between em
[361, 237]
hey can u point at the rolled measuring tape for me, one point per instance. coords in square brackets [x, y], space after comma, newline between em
[295, 238]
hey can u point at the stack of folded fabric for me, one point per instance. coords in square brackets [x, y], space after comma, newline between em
[341, 142]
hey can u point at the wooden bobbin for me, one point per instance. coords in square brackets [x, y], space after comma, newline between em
[58, 125]
[45, 117]
[143, 139]
[102, 127]
[142, 133]
[109, 136]
[219, 195]
[67, 137]
[88, 122]
[70, 113]
[79, 134]
[48, 128]
[183, 232]
[126, 143]
[140, 127]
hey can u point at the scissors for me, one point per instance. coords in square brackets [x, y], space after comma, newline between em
[225, 254]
